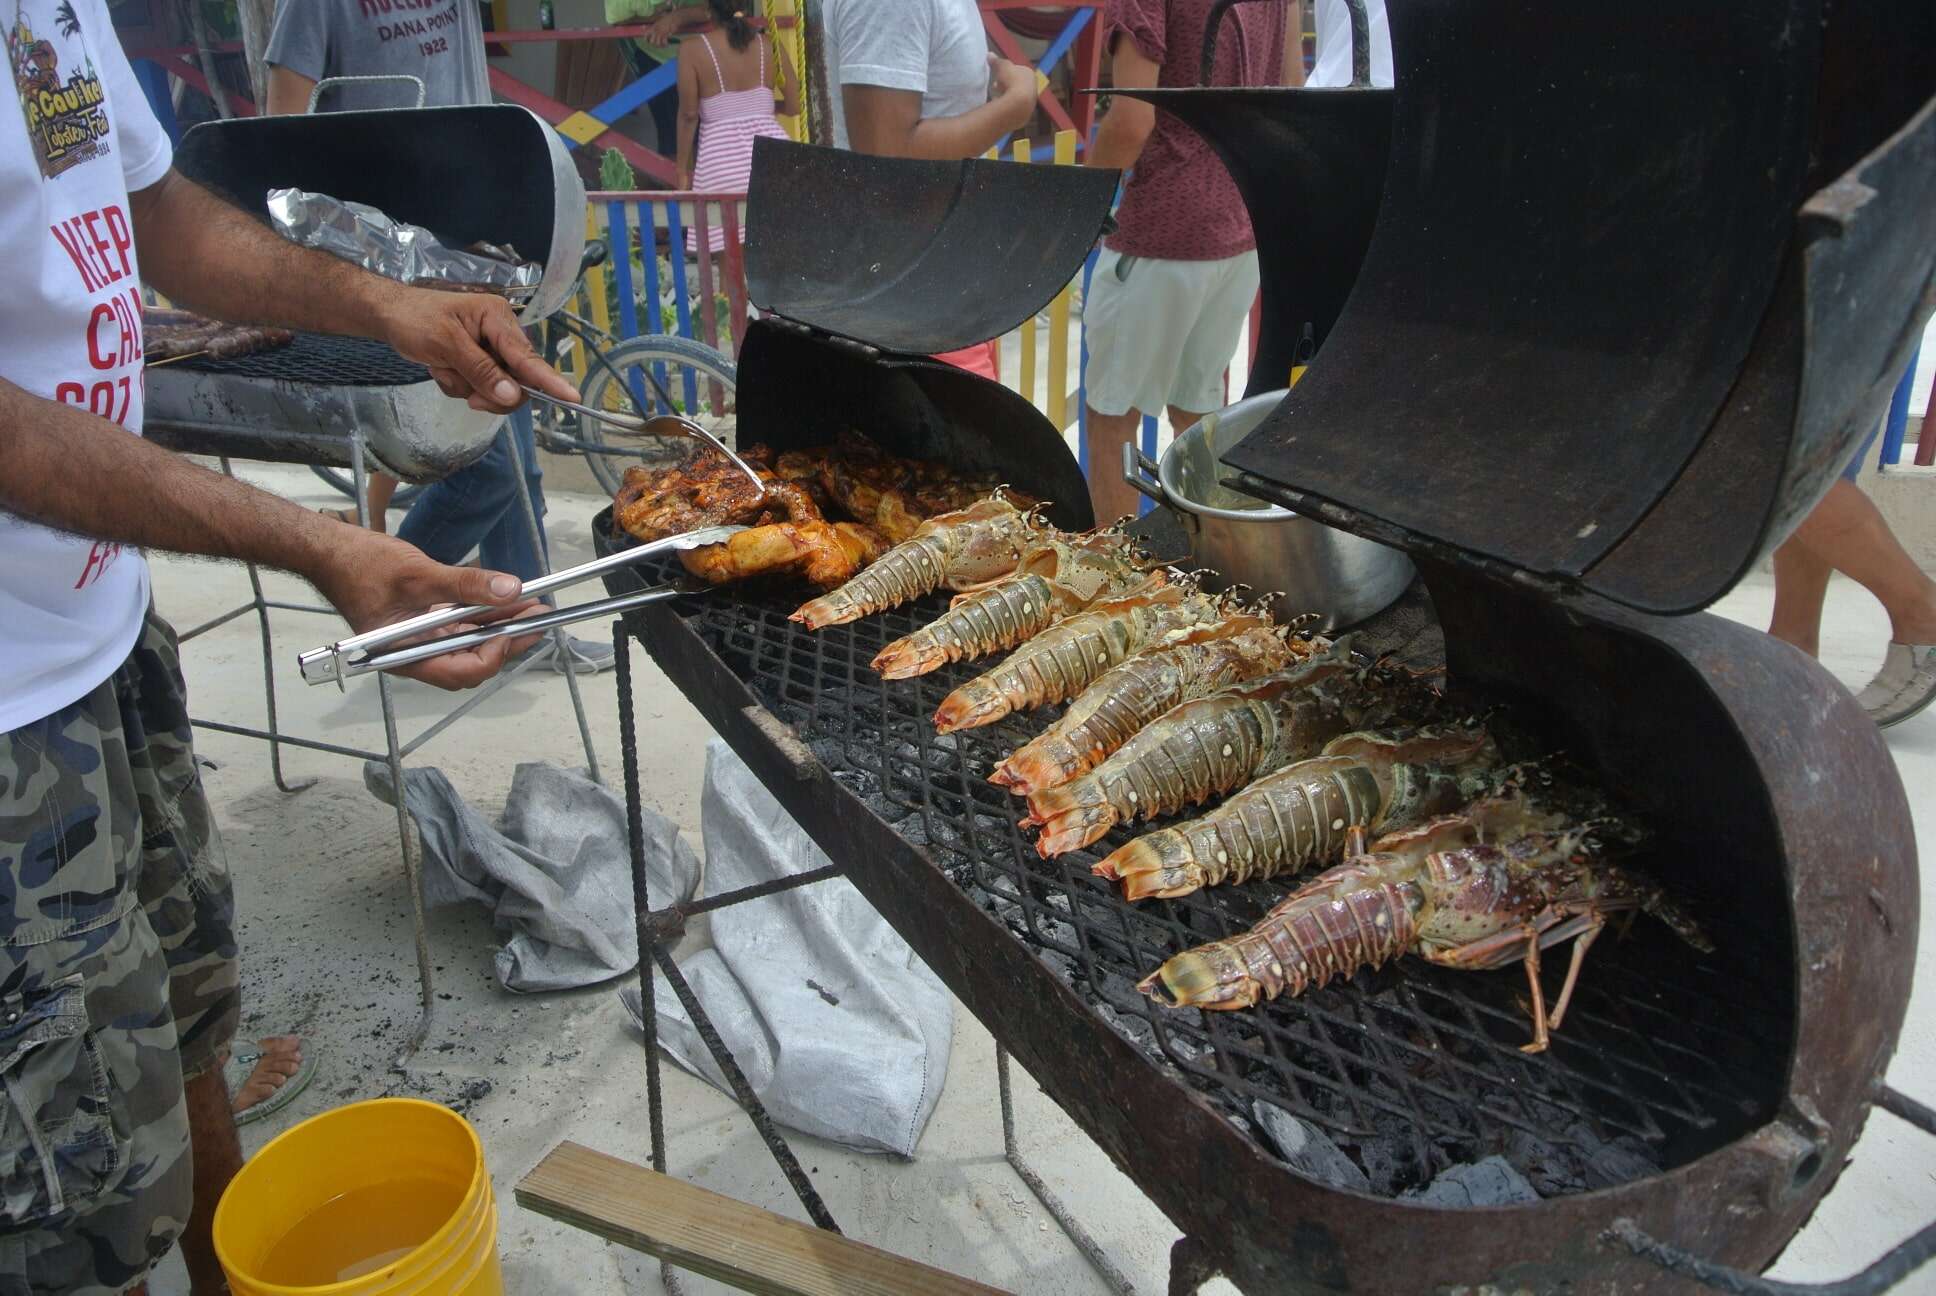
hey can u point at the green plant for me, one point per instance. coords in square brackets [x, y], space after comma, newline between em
[615, 173]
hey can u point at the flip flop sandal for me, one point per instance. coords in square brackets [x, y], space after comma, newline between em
[1903, 687]
[241, 1066]
[347, 516]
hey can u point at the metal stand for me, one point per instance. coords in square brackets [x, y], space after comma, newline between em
[659, 929]
[394, 751]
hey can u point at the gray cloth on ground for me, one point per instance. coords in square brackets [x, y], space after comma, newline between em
[841, 1029]
[555, 872]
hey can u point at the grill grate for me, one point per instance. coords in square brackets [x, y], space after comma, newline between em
[1665, 1054]
[321, 360]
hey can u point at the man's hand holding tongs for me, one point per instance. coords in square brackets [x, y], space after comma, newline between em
[382, 580]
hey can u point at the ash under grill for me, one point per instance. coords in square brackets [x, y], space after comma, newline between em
[1410, 1070]
[320, 360]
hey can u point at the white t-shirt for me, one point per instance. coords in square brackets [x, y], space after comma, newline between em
[1331, 64]
[77, 139]
[937, 47]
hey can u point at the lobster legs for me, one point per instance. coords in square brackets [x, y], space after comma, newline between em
[1585, 920]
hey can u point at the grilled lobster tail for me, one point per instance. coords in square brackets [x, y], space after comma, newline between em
[1065, 658]
[1114, 708]
[958, 550]
[1305, 813]
[1359, 921]
[1054, 579]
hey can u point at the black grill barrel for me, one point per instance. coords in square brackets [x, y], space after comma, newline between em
[1584, 223]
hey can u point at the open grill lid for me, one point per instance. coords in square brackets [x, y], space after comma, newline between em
[1587, 266]
[493, 173]
[914, 256]
[865, 266]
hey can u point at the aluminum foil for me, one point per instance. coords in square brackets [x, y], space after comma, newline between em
[407, 253]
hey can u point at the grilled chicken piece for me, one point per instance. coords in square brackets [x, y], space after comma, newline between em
[705, 490]
[826, 553]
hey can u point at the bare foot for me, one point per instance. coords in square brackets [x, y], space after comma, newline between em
[281, 1059]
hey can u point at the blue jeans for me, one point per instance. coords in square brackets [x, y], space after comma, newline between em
[477, 508]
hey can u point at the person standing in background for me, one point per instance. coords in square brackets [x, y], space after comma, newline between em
[1174, 283]
[913, 78]
[1847, 533]
[1331, 60]
[475, 508]
[666, 20]
[725, 103]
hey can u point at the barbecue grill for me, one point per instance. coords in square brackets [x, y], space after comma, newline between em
[1613, 332]
[491, 174]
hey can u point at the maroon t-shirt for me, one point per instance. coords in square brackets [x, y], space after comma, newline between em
[1181, 203]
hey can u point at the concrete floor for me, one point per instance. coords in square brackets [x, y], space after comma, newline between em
[326, 947]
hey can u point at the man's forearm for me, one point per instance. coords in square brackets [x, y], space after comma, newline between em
[205, 254]
[68, 469]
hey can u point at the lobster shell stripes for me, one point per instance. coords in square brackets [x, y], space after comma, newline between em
[1361, 914]
[1214, 744]
[956, 551]
[1054, 579]
[1128, 696]
[1305, 813]
[1069, 655]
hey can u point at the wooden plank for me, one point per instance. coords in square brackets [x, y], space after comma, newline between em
[752, 1249]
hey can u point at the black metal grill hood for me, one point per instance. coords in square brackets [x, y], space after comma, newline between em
[864, 266]
[493, 173]
[1645, 349]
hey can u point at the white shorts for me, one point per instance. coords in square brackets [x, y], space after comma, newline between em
[1162, 332]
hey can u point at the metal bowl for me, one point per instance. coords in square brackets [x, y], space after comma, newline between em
[1342, 577]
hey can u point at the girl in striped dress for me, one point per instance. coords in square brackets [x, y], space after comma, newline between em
[726, 100]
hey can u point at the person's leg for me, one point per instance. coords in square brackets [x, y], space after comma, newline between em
[1847, 532]
[377, 497]
[1801, 584]
[82, 969]
[507, 545]
[382, 488]
[1210, 338]
[452, 516]
[189, 900]
[1107, 434]
[1129, 323]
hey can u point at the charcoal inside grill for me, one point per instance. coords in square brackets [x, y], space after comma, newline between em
[1410, 1072]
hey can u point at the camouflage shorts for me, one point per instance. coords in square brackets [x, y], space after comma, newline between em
[115, 929]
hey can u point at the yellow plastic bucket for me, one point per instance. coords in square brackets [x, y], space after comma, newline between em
[382, 1198]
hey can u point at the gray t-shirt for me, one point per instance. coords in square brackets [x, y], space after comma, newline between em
[441, 42]
[936, 47]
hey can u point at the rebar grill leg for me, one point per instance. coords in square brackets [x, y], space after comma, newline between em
[560, 641]
[1105, 1268]
[412, 873]
[652, 953]
[268, 671]
[641, 913]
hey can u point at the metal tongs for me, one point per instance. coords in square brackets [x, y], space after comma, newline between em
[660, 425]
[358, 655]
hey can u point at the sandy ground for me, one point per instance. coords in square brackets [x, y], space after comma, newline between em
[326, 947]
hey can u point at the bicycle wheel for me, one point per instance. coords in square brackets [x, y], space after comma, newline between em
[698, 379]
[340, 479]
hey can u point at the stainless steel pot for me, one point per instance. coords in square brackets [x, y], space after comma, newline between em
[1341, 577]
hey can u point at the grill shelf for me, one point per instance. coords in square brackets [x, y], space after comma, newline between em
[319, 359]
[1414, 1068]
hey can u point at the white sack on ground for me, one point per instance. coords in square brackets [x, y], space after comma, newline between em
[841, 1030]
[555, 873]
